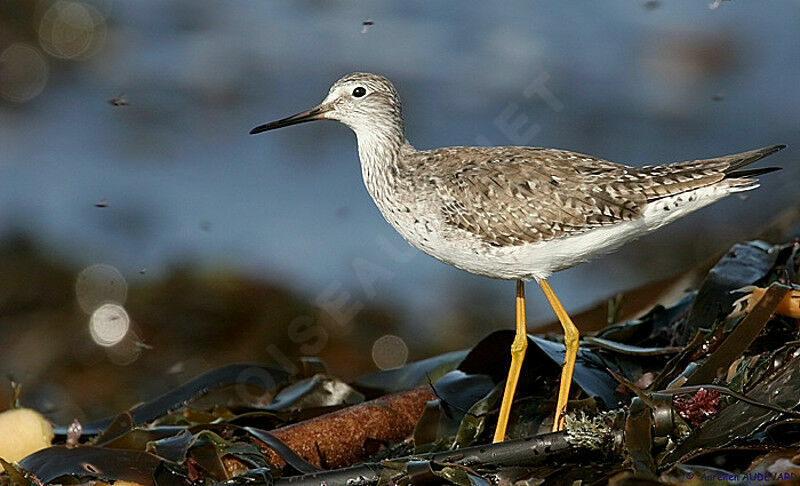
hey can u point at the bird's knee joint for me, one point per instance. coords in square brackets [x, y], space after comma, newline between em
[518, 346]
[572, 337]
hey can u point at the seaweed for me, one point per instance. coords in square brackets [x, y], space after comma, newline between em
[694, 390]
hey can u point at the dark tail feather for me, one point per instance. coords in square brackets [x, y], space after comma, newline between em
[750, 172]
[736, 161]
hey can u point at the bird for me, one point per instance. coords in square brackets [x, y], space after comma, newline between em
[516, 213]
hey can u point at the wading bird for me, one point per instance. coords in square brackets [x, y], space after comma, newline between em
[516, 213]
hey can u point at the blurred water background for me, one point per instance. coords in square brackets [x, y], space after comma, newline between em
[123, 142]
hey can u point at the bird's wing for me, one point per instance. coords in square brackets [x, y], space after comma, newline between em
[514, 195]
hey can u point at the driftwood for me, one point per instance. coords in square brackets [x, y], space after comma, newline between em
[337, 439]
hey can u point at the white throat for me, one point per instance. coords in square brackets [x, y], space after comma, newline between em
[379, 145]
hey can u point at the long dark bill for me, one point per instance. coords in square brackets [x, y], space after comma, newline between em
[304, 116]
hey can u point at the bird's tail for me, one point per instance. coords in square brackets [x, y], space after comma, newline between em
[723, 170]
[744, 180]
[737, 161]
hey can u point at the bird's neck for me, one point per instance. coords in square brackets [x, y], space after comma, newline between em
[380, 153]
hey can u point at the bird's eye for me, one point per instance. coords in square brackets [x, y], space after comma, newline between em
[359, 91]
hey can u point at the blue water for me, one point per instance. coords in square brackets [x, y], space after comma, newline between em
[184, 181]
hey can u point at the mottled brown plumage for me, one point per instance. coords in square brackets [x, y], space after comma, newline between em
[517, 195]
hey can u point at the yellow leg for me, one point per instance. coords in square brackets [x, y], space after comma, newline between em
[571, 337]
[518, 348]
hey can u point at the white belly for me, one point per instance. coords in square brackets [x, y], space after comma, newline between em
[539, 260]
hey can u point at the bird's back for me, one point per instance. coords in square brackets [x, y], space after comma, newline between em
[517, 212]
[516, 195]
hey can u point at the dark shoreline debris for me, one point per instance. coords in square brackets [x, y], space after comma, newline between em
[709, 385]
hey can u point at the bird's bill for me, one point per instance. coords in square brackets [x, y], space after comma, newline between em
[316, 113]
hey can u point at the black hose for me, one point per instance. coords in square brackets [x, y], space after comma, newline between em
[528, 451]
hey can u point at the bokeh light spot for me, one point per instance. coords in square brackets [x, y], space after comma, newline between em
[125, 352]
[100, 284]
[72, 30]
[389, 351]
[23, 73]
[109, 324]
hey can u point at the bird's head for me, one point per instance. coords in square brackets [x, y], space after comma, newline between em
[364, 102]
